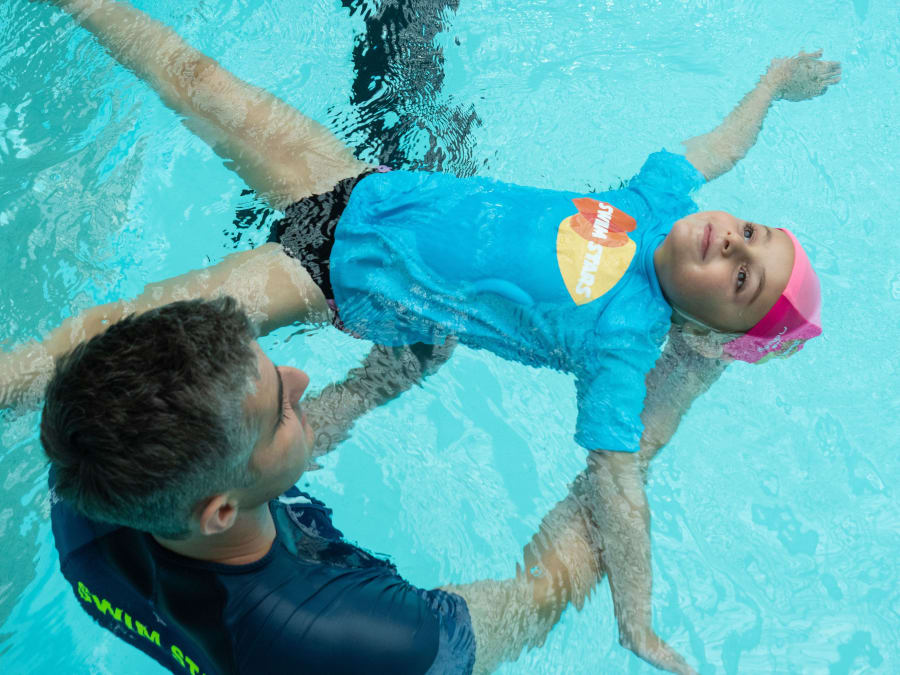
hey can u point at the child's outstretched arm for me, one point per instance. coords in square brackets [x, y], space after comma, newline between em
[614, 495]
[796, 78]
[602, 526]
[619, 502]
[279, 152]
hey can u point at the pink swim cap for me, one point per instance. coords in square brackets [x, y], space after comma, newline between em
[793, 319]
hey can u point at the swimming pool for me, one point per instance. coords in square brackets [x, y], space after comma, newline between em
[774, 529]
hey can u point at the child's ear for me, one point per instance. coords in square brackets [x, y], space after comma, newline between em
[706, 342]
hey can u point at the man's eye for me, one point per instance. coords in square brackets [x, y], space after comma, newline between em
[285, 410]
[748, 231]
[741, 278]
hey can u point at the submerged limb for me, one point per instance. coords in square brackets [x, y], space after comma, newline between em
[280, 153]
[273, 289]
[793, 79]
[385, 373]
[613, 493]
[601, 527]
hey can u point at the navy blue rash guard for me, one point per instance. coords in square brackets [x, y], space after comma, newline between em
[313, 604]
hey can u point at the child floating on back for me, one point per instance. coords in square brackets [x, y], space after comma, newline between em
[640, 297]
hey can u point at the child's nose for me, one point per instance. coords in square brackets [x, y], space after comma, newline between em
[730, 244]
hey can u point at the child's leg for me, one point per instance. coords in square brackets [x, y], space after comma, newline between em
[271, 287]
[307, 230]
[282, 154]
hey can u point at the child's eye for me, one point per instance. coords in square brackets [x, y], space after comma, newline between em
[748, 231]
[741, 278]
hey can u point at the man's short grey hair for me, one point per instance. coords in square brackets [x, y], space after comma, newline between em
[147, 419]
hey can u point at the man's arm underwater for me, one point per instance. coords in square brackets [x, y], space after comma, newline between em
[385, 373]
[796, 78]
[275, 291]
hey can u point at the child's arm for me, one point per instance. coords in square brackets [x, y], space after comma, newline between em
[617, 503]
[279, 152]
[601, 526]
[794, 79]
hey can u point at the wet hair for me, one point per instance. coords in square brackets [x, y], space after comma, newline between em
[147, 419]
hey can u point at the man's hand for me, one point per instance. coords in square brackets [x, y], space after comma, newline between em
[801, 77]
[420, 360]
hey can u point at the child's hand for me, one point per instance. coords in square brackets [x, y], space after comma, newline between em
[646, 644]
[801, 77]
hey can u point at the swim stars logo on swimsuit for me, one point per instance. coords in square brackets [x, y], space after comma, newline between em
[593, 248]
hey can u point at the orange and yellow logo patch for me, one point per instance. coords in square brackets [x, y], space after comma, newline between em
[593, 248]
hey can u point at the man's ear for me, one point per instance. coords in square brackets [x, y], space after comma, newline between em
[706, 342]
[216, 514]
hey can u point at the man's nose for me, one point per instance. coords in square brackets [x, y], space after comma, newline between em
[299, 381]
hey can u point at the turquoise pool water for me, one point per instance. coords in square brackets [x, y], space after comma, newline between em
[776, 528]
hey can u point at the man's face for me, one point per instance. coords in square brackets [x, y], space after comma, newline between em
[724, 271]
[285, 441]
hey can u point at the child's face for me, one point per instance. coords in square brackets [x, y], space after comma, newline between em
[722, 270]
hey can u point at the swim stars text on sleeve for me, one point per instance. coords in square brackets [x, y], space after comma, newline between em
[547, 278]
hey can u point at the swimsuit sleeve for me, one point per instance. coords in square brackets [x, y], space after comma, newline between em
[610, 402]
[358, 621]
[666, 182]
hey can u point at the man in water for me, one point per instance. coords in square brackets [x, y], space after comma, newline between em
[175, 445]
[409, 260]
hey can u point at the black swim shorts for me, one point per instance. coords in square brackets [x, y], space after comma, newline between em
[306, 232]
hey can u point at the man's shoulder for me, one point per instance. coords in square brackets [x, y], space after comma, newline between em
[317, 593]
[302, 604]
